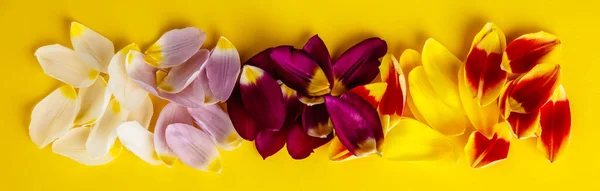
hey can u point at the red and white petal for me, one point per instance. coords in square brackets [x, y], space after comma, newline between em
[139, 141]
[170, 114]
[222, 69]
[175, 47]
[72, 145]
[214, 121]
[532, 90]
[93, 48]
[481, 151]
[181, 76]
[65, 65]
[193, 147]
[483, 118]
[52, 117]
[125, 90]
[529, 50]
[103, 134]
[93, 100]
[555, 123]
[142, 114]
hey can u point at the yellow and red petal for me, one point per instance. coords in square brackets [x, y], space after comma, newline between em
[532, 90]
[393, 101]
[555, 123]
[483, 118]
[524, 125]
[300, 145]
[481, 151]
[371, 93]
[529, 50]
[483, 75]
[358, 65]
[338, 152]
[262, 97]
[300, 71]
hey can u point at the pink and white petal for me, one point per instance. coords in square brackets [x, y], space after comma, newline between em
[63, 64]
[72, 145]
[192, 96]
[214, 121]
[222, 69]
[93, 48]
[193, 147]
[170, 114]
[175, 47]
[52, 117]
[141, 73]
[139, 141]
[125, 90]
[103, 134]
[142, 114]
[93, 100]
[181, 76]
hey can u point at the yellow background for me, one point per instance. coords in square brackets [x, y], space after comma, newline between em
[255, 25]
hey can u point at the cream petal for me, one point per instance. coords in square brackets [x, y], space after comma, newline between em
[125, 90]
[194, 147]
[139, 141]
[223, 68]
[72, 146]
[63, 64]
[179, 77]
[52, 117]
[103, 133]
[93, 48]
[142, 114]
[175, 47]
[214, 121]
[93, 100]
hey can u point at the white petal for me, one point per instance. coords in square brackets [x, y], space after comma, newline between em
[72, 145]
[52, 117]
[183, 75]
[93, 48]
[143, 114]
[175, 47]
[223, 68]
[103, 133]
[213, 120]
[193, 147]
[139, 141]
[125, 90]
[170, 114]
[63, 64]
[92, 102]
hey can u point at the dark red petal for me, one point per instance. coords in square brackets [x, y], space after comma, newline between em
[555, 122]
[299, 71]
[484, 76]
[270, 142]
[359, 65]
[263, 61]
[244, 124]
[300, 145]
[532, 90]
[524, 125]
[262, 98]
[315, 121]
[316, 48]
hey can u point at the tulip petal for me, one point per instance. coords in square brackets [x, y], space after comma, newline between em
[300, 145]
[93, 48]
[263, 61]
[439, 115]
[293, 107]
[175, 47]
[194, 95]
[338, 152]
[139, 141]
[409, 60]
[483, 76]
[143, 114]
[181, 76]
[194, 147]
[356, 123]
[441, 68]
[214, 121]
[555, 123]
[316, 48]
[93, 100]
[311, 100]
[72, 146]
[243, 123]
[532, 90]
[223, 68]
[529, 50]
[170, 114]
[125, 90]
[372, 93]
[393, 101]
[315, 121]
[270, 142]
[299, 71]
[65, 65]
[141, 73]
[262, 98]
[202, 82]
[415, 141]
[482, 152]
[103, 134]
[52, 117]
[483, 118]
[359, 65]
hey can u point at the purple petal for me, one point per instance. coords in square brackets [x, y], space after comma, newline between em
[263, 61]
[262, 98]
[270, 142]
[316, 48]
[315, 121]
[356, 123]
[292, 104]
[300, 145]
[299, 71]
[359, 65]
[245, 125]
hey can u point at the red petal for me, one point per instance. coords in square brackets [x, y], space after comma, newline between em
[300, 145]
[524, 125]
[555, 122]
[481, 151]
[262, 98]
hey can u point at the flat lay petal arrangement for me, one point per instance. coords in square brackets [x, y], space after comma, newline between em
[364, 102]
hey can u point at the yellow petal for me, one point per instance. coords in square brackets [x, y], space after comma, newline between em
[52, 117]
[483, 118]
[441, 68]
[409, 60]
